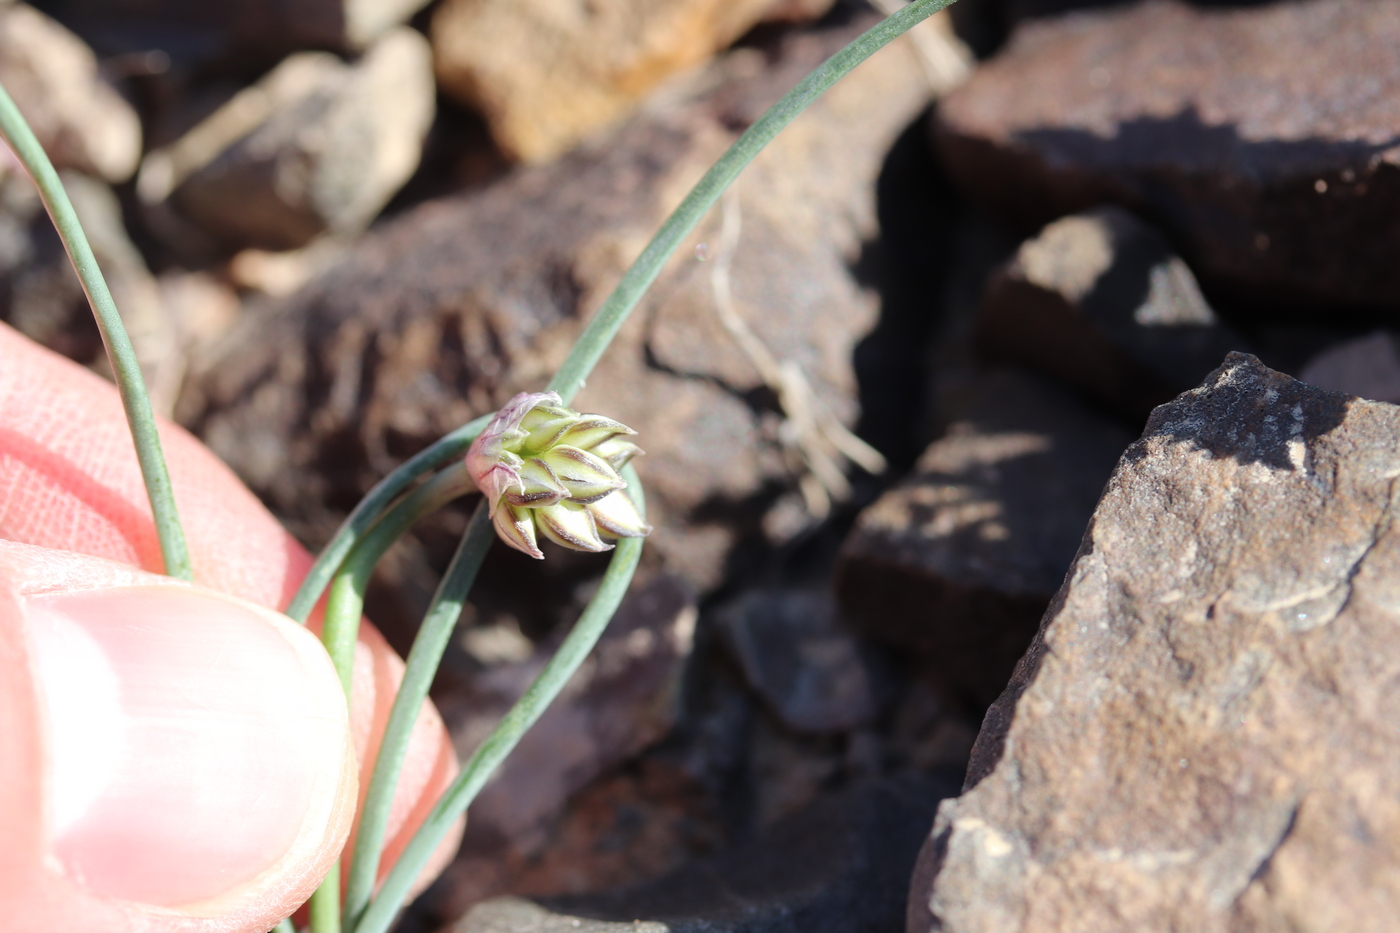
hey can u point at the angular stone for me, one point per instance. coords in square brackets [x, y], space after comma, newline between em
[317, 145]
[1202, 736]
[77, 116]
[1100, 301]
[547, 73]
[810, 670]
[839, 866]
[443, 313]
[1368, 367]
[959, 561]
[1261, 139]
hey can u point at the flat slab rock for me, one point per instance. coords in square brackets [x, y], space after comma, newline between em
[1262, 138]
[1204, 734]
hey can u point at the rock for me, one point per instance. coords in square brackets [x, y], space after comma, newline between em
[41, 297]
[958, 561]
[1368, 367]
[548, 73]
[200, 34]
[446, 311]
[620, 701]
[1260, 139]
[317, 145]
[78, 117]
[842, 865]
[1099, 301]
[630, 827]
[813, 673]
[1202, 736]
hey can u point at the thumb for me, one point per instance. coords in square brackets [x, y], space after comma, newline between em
[171, 758]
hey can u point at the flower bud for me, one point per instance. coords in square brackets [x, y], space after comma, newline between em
[548, 470]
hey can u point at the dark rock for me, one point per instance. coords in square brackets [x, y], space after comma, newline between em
[443, 313]
[621, 700]
[1202, 736]
[1368, 367]
[198, 34]
[1261, 139]
[317, 145]
[1099, 301]
[630, 827]
[811, 671]
[959, 560]
[840, 866]
[78, 117]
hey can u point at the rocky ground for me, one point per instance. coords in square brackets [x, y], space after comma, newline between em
[1023, 499]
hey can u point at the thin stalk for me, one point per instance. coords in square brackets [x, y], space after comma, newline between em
[594, 340]
[507, 734]
[324, 906]
[286, 926]
[423, 660]
[132, 388]
[345, 606]
[367, 513]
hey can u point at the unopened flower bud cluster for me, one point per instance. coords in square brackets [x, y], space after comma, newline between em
[548, 471]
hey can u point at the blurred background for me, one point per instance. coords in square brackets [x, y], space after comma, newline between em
[880, 389]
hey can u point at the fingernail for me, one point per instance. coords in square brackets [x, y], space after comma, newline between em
[190, 737]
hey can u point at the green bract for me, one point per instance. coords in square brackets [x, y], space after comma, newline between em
[547, 470]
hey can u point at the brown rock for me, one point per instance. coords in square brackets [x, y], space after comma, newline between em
[79, 118]
[1202, 736]
[445, 312]
[1100, 301]
[317, 145]
[1261, 139]
[960, 559]
[548, 73]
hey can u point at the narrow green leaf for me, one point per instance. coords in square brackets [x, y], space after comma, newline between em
[423, 660]
[132, 388]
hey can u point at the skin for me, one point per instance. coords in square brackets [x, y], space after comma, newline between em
[173, 757]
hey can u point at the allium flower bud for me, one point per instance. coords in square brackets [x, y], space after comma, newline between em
[548, 470]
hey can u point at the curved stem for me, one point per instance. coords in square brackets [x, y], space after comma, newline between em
[423, 659]
[367, 512]
[139, 416]
[507, 734]
[636, 280]
[324, 906]
[341, 626]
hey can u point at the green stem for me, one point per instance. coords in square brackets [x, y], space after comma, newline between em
[594, 340]
[367, 513]
[507, 734]
[423, 660]
[345, 606]
[286, 926]
[139, 416]
[324, 906]
[347, 598]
